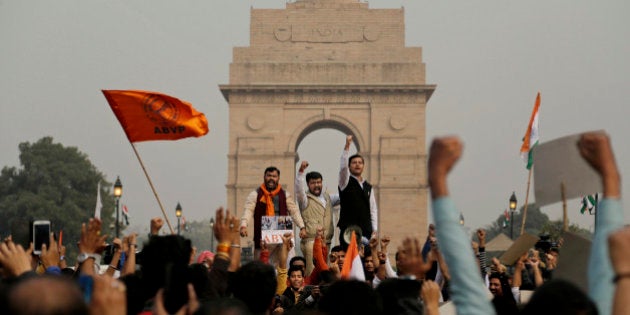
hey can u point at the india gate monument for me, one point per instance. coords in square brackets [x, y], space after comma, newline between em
[340, 65]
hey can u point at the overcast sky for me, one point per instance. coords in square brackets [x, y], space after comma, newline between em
[488, 59]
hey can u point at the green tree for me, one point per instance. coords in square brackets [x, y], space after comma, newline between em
[554, 229]
[200, 234]
[54, 183]
[536, 219]
[537, 223]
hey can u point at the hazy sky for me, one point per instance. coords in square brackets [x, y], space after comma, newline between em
[488, 59]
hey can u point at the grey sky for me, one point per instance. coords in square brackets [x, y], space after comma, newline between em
[488, 59]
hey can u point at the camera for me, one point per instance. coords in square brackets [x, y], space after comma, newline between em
[544, 244]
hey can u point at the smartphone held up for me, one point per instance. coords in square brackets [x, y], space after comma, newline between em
[41, 235]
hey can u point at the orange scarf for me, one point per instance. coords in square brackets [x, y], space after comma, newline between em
[267, 198]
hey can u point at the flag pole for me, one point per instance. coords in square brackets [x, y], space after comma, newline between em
[529, 178]
[152, 188]
[565, 218]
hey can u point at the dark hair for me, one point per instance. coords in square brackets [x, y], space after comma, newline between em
[313, 175]
[296, 268]
[337, 248]
[296, 258]
[326, 277]
[271, 169]
[367, 252]
[354, 157]
[255, 284]
[400, 296]
[505, 283]
[559, 297]
[335, 301]
[60, 295]
[165, 265]
[505, 304]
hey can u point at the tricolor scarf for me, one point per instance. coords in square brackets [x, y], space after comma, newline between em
[267, 198]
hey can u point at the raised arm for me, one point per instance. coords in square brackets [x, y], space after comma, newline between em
[483, 260]
[300, 190]
[373, 211]
[595, 148]
[619, 247]
[129, 266]
[344, 171]
[467, 288]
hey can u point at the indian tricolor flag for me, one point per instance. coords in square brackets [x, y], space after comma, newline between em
[531, 136]
[352, 266]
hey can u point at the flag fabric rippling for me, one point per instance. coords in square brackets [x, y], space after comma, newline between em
[531, 136]
[352, 266]
[147, 116]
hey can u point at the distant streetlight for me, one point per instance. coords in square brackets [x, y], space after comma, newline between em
[211, 233]
[117, 193]
[512, 208]
[178, 213]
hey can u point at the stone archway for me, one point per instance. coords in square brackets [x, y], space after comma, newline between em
[313, 66]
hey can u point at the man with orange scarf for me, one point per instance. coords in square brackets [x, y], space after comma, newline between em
[269, 200]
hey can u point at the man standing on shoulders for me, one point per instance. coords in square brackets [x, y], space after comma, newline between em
[269, 200]
[358, 205]
[316, 211]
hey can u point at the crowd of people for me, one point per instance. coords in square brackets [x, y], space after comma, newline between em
[168, 277]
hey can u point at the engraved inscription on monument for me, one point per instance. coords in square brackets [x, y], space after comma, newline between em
[326, 33]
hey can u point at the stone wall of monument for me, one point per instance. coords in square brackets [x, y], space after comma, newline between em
[332, 64]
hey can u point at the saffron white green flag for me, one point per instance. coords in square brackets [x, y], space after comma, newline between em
[531, 136]
[352, 266]
[99, 204]
[588, 203]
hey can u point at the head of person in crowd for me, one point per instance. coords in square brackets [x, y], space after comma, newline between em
[46, 294]
[552, 256]
[326, 277]
[198, 277]
[271, 178]
[400, 296]
[223, 306]
[368, 263]
[164, 264]
[206, 258]
[314, 183]
[499, 284]
[298, 261]
[296, 277]
[503, 300]
[559, 297]
[350, 297]
[255, 285]
[340, 253]
[355, 165]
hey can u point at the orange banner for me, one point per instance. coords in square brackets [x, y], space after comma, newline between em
[149, 116]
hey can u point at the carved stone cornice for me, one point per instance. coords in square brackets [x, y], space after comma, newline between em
[276, 92]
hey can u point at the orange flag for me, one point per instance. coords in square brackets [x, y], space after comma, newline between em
[352, 266]
[149, 116]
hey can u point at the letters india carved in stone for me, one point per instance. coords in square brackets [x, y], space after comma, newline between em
[326, 33]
